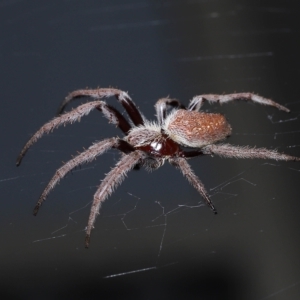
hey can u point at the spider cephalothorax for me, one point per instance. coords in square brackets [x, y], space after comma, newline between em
[149, 144]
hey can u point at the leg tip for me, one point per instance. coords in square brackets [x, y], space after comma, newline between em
[36, 210]
[213, 209]
[87, 241]
[19, 160]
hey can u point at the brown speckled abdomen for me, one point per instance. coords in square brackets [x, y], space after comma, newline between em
[196, 129]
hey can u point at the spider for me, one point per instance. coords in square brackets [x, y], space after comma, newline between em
[179, 135]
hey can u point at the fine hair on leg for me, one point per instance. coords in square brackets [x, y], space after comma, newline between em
[197, 101]
[84, 157]
[69, 118]
[109, 183]
[227, 150]
[186, 170]
[161, 107]
[97, 94]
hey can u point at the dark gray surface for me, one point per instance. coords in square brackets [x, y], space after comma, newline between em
[153, 238]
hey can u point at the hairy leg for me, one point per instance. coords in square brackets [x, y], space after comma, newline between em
[197, 101]
[112, 179]
[115, 117]
[86, 156]
[186, 170]
[161, 107]
[70, 117]
[97, 94]
[227, 150]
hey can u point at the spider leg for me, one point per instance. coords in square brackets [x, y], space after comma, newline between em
[161, 107]
[115, 117]
[97, 94]
[190, 154]
[112, 179]
[197, 101]
[86, 156]
[227, 150]
[72, 116]
[186, 170]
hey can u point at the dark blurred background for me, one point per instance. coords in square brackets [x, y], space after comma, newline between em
[154, 238]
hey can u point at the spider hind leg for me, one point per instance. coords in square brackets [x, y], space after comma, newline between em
[231, 151]
[197, 101]
[161, 107]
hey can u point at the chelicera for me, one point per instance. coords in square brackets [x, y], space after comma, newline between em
[149, 144]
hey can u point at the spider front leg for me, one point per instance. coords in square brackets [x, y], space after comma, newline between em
[115, 117]
[161, 107]
[75, 115]
[186, 170]
[86, 156]
[197, 101]
[109, 183]
[97, 94]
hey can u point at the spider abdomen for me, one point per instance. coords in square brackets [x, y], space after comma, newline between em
[196, 129]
